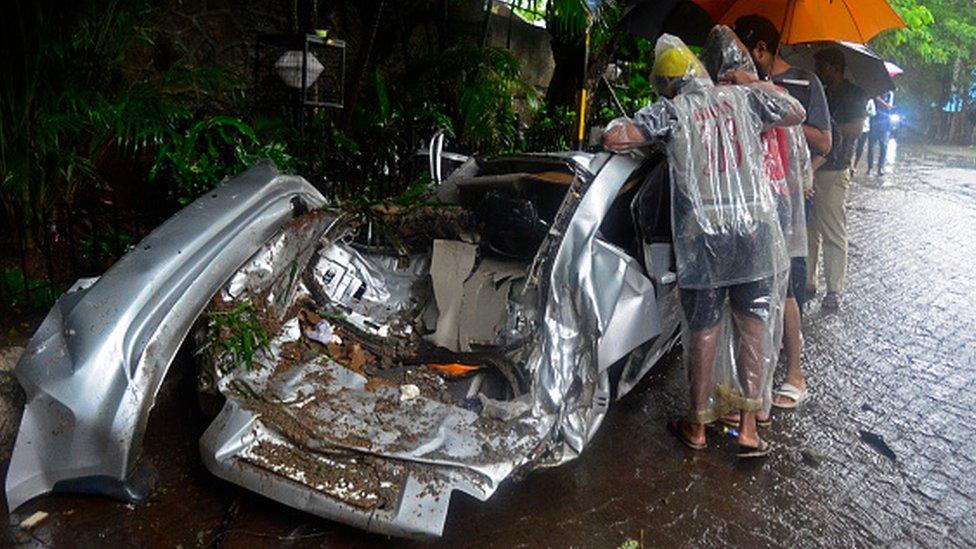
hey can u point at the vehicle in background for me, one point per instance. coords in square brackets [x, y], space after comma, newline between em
[894, 119]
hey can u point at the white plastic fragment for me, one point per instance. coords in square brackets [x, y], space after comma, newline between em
[408, 392]
[503, 410]
[324, 333]
[33, 520]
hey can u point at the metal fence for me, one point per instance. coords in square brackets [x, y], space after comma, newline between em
[44, 254]
[41, 256]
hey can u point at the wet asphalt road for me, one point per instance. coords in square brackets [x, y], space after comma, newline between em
[897, 364]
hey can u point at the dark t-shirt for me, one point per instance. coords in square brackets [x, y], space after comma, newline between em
[881, 117]
[806, 88]
[846, 103]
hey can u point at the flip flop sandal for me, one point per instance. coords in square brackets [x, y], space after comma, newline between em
[734, 423]
[792, 393]
[749, 452]
[728, 421]
[674, 427]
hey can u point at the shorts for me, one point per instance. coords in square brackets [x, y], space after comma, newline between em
[703, 308]
[712, 260]
[797, 288]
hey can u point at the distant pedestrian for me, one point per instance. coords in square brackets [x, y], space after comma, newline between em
[880, 132]
[870, 111]
[827, 224]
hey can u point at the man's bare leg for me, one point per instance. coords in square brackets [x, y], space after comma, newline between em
[793, 345]
[704, 345]
[749, 356]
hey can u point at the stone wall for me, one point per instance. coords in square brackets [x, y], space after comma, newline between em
[223, 33]
[219, 32]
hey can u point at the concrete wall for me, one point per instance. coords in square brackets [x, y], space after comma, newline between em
[529, 43]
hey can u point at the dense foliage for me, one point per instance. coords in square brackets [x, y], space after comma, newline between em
[938, 51]
[87, 93]
[93, 114]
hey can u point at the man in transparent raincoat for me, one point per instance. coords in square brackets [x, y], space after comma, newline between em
[728, 242]
[788, 168]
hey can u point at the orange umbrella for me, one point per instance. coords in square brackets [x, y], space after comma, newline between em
[812, 20]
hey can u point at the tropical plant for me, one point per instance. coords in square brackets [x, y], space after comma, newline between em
[80, 100]
[104, 245]
[550, 130]
[936, 48]
[371, 157]
[54, 108]
[482, 87]
[475, 94]
[194, 159]
[17, 290]
[583, 33]
[632, 89]
[236, 335]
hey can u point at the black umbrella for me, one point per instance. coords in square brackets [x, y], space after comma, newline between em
[864, 67]
[652, 18]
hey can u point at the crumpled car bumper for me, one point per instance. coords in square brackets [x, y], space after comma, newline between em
[92, 370]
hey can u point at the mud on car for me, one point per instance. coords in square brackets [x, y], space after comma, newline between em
[363, 364]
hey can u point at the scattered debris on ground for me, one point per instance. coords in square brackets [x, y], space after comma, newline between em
[9, 358]
[409, 392]
[33, 520]
[11, 396]
[877, 442]
[811, 458]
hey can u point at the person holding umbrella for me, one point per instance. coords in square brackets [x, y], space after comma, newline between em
[761, 38]
[828, 219]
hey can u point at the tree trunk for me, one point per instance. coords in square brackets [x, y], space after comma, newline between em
[567, 78]
[567, 75]
[599, 61]
[955, 92]
[363, 65]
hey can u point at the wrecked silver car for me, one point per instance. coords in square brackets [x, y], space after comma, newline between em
[367, 363]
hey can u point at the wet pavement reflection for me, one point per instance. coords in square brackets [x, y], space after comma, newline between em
[884, 452]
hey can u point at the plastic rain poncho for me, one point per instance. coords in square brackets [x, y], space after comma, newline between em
[725, 222]
[787, 156]
[734, 385]
[787, 172]
[726, 227]
[799, 179]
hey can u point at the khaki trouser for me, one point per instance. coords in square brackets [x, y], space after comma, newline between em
[828, 221]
